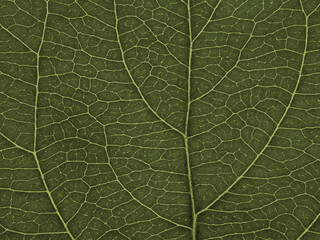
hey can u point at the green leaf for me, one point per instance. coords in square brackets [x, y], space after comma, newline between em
[158, 119]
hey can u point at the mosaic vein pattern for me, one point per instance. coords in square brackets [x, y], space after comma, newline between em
[157, 119]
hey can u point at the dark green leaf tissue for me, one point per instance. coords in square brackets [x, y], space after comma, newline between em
[159, 120]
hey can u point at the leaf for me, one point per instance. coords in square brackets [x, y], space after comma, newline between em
[156, 119]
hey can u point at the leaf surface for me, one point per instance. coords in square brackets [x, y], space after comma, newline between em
[156, 119]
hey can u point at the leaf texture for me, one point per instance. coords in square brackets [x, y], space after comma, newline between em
[157, 119]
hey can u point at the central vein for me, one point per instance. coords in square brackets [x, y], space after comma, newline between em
[186, 142]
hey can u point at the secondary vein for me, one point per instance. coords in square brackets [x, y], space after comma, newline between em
[35, 127]
[127, 190]
[275, 130]
[131, 77]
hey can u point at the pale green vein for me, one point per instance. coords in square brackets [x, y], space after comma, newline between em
[231, 69]
[110, 231]
[275, 130]
[93, 17]
[131, 195]
[20, 190]
[189, 166]
[237, 61]
[307, 20]
[28, 233]
[163, 44]
[131, 77]
[15, 37]
[209, 20]
[308, 228]
[35, 128]
[15, 144]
